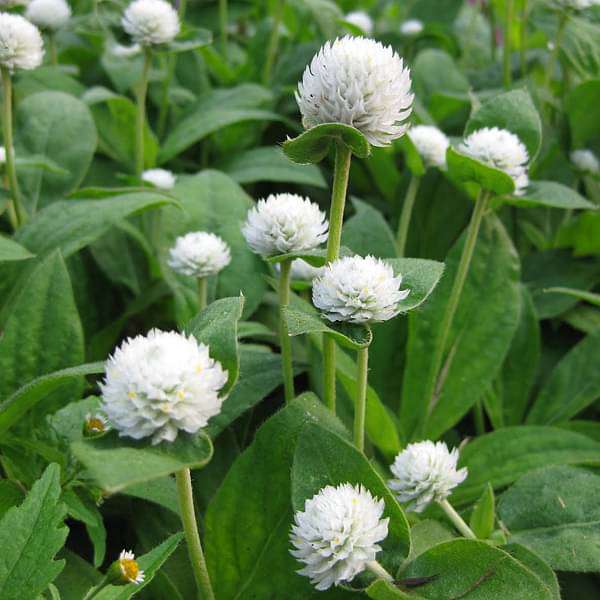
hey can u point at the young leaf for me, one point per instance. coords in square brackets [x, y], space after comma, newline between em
[10, 250]
[483, 517]
[550, 193]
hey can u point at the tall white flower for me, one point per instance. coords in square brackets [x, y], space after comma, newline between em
[425, 472]
[337, 534]
[160, 178]
[411, 27]
[431, 144]
[21, 44]
[585, 161]
[159, 384]
[502, 150]
[360, 19]
[358, 82]
[48, 14]
[358, 290]
[199, 254]
[285, 223]
[151, 22]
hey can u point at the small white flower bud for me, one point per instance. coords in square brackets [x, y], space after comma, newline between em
[360, 19]
[411, 27]
[431, 144]
[199, 254]
[151, 22]
[337, 534]
[425, 472]
[160, 178]
[21, 44]
[125, 570]
[48, 14]
[585, 161]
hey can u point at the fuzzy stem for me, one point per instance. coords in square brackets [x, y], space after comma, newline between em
[378, 570]
[456, 519]
[553, 59]
[405, 215]
[190, 528]
[181, 9]
[52, 47]
[285, 340]
[273, 42]
[523, 43]
[223, 19]
[11, 170]
[140, 121]
[507, 76]
[360, 406]
[202, 292]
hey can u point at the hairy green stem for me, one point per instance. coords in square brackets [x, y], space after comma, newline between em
[163, 111]
[405, 215]
[456, 519]
[284, 337]
[223, 22]
[202, 292]
[52, 47]
[507, 49]
[192, 537]
[553, 59]
[181, 9]
[140, 121]
[273, 42]
[360, 405]
[378, 570]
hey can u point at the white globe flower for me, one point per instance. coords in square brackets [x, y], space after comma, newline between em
[337, 534]
[151, 22]
[302, 271]
[121, 51]
[502, 150]
[160, 178]
[360, 19]
[159, 384]
[431, 144]
[425, 472]
[199, 254]
[358, 82]
[21, 44]
[48, 14]
[358, 290]
[577, 4]
[285, 223]
[411, 27]
[585, 161]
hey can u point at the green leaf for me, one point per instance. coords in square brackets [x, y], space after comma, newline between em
[386, 590]
[420, 276]
[579, 294]
[483, 517]
[537, 565]
[316, 258]
[583, 113]
[504, 455]
[313, 145]
[192, 39]
[550, 193]
[413, 159]
[10, 250]
[30, 536]
[555, 513]
[428, 533]
[573, 385]
[115, 463]
[39, 161]
[324, 458]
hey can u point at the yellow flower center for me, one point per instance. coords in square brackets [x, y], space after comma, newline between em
[95, 425]
[129, 568]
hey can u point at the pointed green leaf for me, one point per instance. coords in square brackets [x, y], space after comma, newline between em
[10, 250]
[483, 517]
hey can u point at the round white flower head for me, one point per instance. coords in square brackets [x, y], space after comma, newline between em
[2, 155]
[424, 472]
[576, 4]
[302, 271]
[284, 223]
[125, 51]
[21, 44]
[337, 534]
[129, 568]
[431, 144]
[160, 178]
[502, 150]
[358, 82]
[411, 27]
[585, 161]
[48, 14]
[360, 19]
[199, 254]
[358, 290]
[151, 22]
[158, 384]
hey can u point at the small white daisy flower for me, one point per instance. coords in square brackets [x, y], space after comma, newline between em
[360, 19]
[585, 161]
[160, 178]
[411, 27]
[337, 534]
[425, 472]
[502, 150]
[284, 223]
[95, 424]
[358, 290]
[358, 82]
[129, 568]
[431, 144]
[151, 22]
[160, 384]
[125, 51]
[48, 14]
[199, 254]
[21, 44]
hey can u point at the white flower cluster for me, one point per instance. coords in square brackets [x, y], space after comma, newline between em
[431, 144]
[358, 290]
[21, 44]
[151, 22]
[360, 19]
[411, 27]
[160, 178]
[358, 82]
[159, 384]
[337, 534]
[284, 223]
[585, 161]
[425, 472]
[199, 254]
[48, 14]
[502, 150]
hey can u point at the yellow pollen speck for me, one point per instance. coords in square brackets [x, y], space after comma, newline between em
[181, 394]
[131, 395]
[199, 369]
[129, 568]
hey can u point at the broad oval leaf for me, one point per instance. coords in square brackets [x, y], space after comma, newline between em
[550, 193]
[191, 39]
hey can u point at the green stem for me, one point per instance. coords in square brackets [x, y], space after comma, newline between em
[479, 418]
[285, 340]
[456, 519]
[481, 205]
[523, 44]
[378, 570]
[405, 215]
[140, 122]
[223, 21]
[181, 9]
[492, 17]
[341, 171]
[202, 292]
[360, 405]
[273, 42]
[11, 169]
[507, 76]
[163, 111]
[553, 59]
[52, 47]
